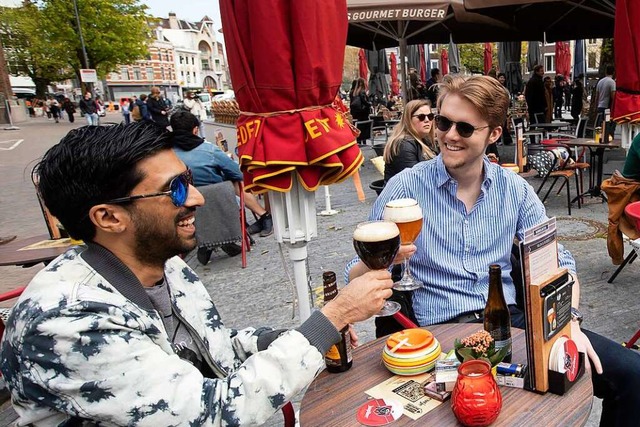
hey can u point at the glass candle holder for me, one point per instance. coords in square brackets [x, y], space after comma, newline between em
[476, 400]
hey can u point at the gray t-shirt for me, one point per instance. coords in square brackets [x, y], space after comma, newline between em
[606, 86]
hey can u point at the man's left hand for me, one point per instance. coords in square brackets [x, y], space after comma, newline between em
[584, 345]
[354, 336]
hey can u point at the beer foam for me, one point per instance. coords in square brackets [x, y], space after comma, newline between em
[376, 231]
[402, 210]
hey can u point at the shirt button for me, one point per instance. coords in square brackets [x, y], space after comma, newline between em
[466, 249]
[466, 221]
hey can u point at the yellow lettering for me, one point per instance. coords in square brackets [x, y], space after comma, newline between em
[250, 129]
[324, 123]
[242, 135]
[313, 130]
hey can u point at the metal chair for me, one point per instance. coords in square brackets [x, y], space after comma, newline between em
[632, 211]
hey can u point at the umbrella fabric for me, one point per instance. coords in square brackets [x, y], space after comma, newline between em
[488, 62]
[513, 69]
[363, 70]
[454, 57]
[502, 57]
[626, 43]
[395, 84]
[423, 64]
[560, 58]
[444, 62]
[579, 65]
[567, 60]
[285, 60]
[413, 57]
[379, 67]
[534, 55]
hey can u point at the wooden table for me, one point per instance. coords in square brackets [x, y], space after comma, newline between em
[596, 160]
[332, 399]
[10, 253]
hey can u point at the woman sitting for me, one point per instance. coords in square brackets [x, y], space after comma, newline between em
[412, 139]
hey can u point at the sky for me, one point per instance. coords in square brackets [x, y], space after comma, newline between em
[190, 10]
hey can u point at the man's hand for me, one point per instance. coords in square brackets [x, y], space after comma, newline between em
[584, 345]
[361, 299]
[405, 252]
[354, 337]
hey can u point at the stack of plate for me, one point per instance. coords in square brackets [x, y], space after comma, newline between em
[411, 352]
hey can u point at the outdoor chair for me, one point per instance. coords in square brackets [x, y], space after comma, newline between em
[548, 160]
[632, 211]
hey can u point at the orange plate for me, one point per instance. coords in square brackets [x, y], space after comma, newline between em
[417, 338]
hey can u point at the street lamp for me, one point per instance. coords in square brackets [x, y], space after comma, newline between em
[84, 50]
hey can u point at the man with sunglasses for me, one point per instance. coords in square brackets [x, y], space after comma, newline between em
[473, 210]
[123, 332]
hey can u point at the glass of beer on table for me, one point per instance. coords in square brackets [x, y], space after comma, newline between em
[377, 243]
[407, 215]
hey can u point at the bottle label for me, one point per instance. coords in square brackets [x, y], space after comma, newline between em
[501, 337]
[333, 356]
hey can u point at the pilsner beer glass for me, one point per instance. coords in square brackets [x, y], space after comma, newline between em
[407, 215]
[377, 243]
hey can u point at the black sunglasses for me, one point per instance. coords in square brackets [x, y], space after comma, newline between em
[178, 191]
[421, 117]
[464, 129]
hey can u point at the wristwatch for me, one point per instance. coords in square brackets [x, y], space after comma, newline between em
[576, 315]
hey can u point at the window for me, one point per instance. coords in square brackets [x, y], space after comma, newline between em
[162, 75]
[592, 41]
[433, 48]
[150, 75]
[136, 73]
[592, 60]
[433, 63]
[124, 73]
[205, 64]
[550, 63]
[181, 59]
[217, 65]
[188, 78]
[193, 60]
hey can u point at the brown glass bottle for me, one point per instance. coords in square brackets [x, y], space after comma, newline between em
[338, 358]
[497, 319]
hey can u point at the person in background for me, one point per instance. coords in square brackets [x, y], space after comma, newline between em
[30, 109]
[535, 94]
[605, 90]
[359, 104]
[548, 97]
[211, 165]
[577, 95]
[411, 140]
[70, 109]
[54, 107]
[126, 113]
[143, 112]
[89, 108]
[192, 104]
[157, 108]
[558, 97]
[122, 332]
[506, 135]
[432, 87]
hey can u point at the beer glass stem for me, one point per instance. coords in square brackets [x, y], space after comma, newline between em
[407, 282]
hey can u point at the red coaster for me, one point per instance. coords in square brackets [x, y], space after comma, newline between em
[379, 412]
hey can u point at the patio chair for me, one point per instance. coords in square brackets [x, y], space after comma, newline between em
[632, 211]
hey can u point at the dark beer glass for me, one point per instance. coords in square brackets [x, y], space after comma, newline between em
[407, 215]
[377, 243]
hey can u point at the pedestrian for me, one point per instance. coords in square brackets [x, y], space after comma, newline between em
[157, 107]
[558, 97]
[68, 106]
[535, 95]
[125, 112]
[30, 109]
[577, 97]
[89, 108]
[604, 97]
[192, 104]
[548, 97]
[54, 108]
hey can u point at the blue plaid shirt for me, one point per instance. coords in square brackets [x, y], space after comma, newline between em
[455, 248]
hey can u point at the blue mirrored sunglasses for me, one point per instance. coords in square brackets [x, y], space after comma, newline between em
[178, 191]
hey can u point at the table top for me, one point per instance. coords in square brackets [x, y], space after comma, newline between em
[333, 399]
[590, 142]
[10, 253]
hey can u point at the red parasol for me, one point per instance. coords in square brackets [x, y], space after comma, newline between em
[423, 64]
[395, 84]
[559, 57]
[285, 60]
[444, 62]
[567, 60]
[488, 61]
[363, 70]
[626, 44]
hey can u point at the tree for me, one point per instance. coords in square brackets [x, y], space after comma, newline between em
[115, 31]
[472, 57]
[30, 49]
[606, 56]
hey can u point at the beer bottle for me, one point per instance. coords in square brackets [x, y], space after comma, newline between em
[338, 358]
[497, 319]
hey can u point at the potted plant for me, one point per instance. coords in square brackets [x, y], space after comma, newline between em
[479, 345]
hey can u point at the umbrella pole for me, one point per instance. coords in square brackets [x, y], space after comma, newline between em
[298, 255]
[403, 70]
[327, 203]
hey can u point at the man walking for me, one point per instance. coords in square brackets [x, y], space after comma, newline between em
[89, 108]
[535, 96]
[605, 91]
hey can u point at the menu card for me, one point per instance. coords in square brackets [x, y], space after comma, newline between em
[409, 391]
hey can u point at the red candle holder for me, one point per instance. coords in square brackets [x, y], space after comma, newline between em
[476, 400]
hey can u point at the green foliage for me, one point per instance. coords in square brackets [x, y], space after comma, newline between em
[43, 39]
[606, 56]
[472, 57]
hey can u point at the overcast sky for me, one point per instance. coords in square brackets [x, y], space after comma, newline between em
[190, 10]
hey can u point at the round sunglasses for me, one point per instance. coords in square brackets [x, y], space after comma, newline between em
[464, 129]
[421, 117]
[178, 191]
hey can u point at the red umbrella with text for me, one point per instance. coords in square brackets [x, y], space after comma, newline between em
[423, 63]
[363, 70]
[488, 60]
[395, 84]
[626, 44]
[285, 60]
[444, 62]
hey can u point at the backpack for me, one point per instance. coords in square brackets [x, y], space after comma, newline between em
[136, 114]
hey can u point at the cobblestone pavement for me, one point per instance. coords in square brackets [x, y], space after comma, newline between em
[262, 294]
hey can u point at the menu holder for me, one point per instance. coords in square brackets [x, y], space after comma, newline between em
[560, 383]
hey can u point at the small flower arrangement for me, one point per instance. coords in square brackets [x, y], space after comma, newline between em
[479, 345]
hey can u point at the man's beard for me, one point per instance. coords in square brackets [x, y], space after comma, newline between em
[155, 242]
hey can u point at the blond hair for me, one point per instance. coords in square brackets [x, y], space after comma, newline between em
[487, 95]
[405, 129]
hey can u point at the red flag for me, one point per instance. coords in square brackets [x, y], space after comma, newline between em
[423, 64]
[395, 84]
